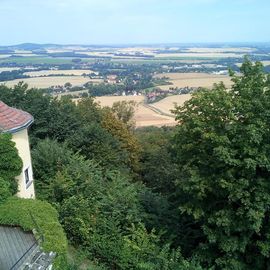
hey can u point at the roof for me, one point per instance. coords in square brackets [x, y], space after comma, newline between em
[14, 243]
[13, 120]
[20, 250]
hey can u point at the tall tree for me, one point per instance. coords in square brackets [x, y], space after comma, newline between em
[222, 148]
[124, 111]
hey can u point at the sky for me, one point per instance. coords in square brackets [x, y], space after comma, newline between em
[133, 21]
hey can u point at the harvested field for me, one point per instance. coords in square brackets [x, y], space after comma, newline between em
[45, 82]
[221, 50]
[265, 63]
[207, 55]
[109, 100]
[77, 72]
[167, 104]
[194, 80]
[144, 116]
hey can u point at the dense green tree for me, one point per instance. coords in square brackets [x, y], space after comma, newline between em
[95, 142]
[89, 110]
[222, 149]
[103, 89]
[157, 169]
[10, 164]
[48, 157]
[125, 111]
[65, 119]
[128, 142]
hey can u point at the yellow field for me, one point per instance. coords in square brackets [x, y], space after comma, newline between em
[265, 63]
[45, 82]
[144, 116]
[200, 55]
[167, 104]
[220, 50]
[194, 80]
[77, 72]
[109, 100]
[190, 53]
[148, 115]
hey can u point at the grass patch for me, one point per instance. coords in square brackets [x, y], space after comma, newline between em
[37, 60]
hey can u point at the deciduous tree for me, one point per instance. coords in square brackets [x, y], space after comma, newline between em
[222, 148]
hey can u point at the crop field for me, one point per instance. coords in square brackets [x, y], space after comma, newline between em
[109, 100]
[3, 69]
[167, 104]
[197, 55]
[45, 82]
[221, 50]
[192, 52]
[31, 60]
[76, 72]
[144, 116]
[265, 63]
[193, 80]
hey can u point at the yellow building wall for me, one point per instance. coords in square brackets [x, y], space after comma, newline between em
[22, 144]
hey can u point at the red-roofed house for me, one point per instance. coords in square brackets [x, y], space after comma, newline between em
[16, 122]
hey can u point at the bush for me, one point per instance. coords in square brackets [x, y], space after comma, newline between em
[17, 212]
[10, 162]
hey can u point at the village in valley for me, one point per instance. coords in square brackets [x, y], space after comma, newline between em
[147, 73]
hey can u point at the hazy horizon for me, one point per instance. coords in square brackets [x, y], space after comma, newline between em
[115, 22]
[224, 43]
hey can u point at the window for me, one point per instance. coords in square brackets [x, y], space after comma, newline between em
[26, 176]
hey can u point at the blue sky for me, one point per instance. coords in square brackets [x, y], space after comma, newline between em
[133, 21]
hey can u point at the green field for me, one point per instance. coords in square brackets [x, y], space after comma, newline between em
[32, 60]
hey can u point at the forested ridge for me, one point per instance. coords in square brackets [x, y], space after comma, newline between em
[195, 196]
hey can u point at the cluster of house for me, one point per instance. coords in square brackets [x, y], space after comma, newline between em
[131, 93]
[20, 249]
[158, 93]
[112, 79]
